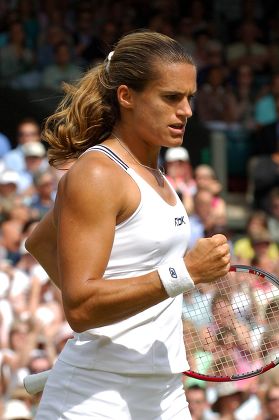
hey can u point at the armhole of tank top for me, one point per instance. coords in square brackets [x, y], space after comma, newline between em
[110, 154]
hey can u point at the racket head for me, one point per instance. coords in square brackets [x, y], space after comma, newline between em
[231, 326]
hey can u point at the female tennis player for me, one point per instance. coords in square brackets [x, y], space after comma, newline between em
[116, 240]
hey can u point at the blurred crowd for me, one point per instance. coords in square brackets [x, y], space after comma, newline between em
[235, 45]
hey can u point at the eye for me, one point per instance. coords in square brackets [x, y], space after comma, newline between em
[173, 97]
[191, 98]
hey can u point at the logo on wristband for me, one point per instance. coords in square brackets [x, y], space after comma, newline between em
[173, 272]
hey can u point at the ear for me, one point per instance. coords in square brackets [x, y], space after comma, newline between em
[125, 96]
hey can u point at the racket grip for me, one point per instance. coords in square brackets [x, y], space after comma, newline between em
[35, 383]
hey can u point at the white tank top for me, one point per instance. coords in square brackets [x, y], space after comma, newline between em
[152, 340]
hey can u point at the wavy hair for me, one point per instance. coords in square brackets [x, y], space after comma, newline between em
[87, 113]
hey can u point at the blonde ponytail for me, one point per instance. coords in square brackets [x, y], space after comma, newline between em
[82, 119]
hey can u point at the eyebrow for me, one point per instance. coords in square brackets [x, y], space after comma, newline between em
[177, 92]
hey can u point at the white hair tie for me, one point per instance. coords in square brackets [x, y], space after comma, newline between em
[108, 60]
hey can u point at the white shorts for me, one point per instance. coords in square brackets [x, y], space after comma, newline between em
[73, 393]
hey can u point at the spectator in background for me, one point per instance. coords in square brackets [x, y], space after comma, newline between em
[229, 399]
[27, 12]
[227, 334]
[160, 22]
[262, 246]
[250, 404]
[197, 302]
[184, 34]
[6, 314]
[15, 58]
[53, 36]
[202, 217]
[265, 263]
[35, 161]
[63, 69]
[179, 173]
[9, 181]
[38, 344]
[20, 393]
[28, 130]
[263, 168]
[205, 178]
[200, 53]
[214, 57]
[266, 139]
[265, 107]
[273, 215]
[107, 37]
[247, 50]
[198, 16]
[5, 145]
[43, 199]
[16, 410]
[14, 220]
[86, 43]
[198, 404]
[270, 409]
[216, 106]
[264, 176]
[273, 52]
[15, 358]
[245, 92]
[56, 13]
[256, 233]
[39, 362]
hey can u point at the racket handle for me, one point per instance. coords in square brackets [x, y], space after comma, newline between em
[35, 383]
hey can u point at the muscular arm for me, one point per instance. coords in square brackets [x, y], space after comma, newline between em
[83, 250]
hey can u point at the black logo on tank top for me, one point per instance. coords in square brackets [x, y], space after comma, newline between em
[172, 272]
[178, 221]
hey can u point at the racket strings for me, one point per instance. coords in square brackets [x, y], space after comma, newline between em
[233, 324]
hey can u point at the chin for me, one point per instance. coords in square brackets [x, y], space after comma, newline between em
[174, 142]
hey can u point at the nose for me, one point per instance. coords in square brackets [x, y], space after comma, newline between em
[185, 108]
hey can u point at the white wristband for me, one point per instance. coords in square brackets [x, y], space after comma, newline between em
[175, 277]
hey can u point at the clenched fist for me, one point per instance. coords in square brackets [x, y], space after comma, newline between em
[209, 259]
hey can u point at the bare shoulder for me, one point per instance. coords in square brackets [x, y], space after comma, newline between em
[92, 179]
[92, 169]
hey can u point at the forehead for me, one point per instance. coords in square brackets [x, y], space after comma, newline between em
[26, 126]
[203, 173]
[174, 77]
[195, 391]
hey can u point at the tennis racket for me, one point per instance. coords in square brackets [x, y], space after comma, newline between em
[231, 326]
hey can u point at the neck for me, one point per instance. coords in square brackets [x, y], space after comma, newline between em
[154, 170]
[138, 151]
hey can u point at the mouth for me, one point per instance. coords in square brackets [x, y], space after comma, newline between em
[178, 128]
